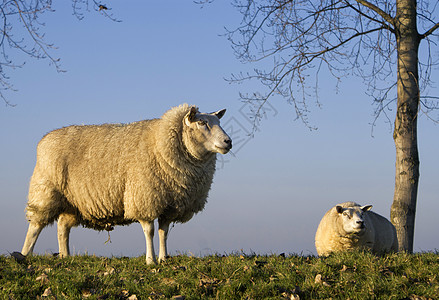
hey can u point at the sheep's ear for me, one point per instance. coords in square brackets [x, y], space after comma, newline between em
[190, 116]
[339, 209]
[366, 207]
[219, 113]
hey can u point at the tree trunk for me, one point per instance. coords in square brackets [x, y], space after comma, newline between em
[405, 133]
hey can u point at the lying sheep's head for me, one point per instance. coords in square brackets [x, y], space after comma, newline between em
[352, 218]
[204, 133]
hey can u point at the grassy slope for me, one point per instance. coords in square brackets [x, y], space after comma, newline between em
[354, 275]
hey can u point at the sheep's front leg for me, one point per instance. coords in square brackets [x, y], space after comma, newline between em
[148, 230]
[163, 236]
[31, 237]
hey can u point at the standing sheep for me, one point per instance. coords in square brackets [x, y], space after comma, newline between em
[349, 226]
[105, 175]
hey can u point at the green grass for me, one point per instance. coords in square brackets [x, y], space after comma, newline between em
[355, 275]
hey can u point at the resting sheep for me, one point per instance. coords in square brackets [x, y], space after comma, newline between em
[349, 226]
[99, 176]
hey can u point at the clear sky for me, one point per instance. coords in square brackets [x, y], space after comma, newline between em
[266, 198]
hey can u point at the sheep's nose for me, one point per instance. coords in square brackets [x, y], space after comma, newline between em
[361, 223]
[228, 142]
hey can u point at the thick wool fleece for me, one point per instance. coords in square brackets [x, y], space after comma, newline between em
[379, 236]
[109, 174]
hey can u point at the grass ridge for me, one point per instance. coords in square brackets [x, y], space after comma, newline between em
[349, 275]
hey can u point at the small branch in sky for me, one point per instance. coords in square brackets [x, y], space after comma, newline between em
[376, 9]
[430, 31]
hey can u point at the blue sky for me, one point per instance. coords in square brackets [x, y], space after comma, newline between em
[268, 197]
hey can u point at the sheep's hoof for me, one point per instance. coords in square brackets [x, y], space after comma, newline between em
[151, 261]
[163, 259]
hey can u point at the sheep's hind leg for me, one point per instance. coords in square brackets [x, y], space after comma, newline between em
[33, 232]
[163, 237]
[65, 223]
[148, 230]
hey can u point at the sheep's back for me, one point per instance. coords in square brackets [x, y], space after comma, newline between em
[88, 164]
[385, 239]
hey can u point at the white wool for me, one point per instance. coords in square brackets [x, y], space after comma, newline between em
[378, 234]
[99, 176]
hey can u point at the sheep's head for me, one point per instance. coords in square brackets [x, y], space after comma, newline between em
[352, 218]
[203, 133]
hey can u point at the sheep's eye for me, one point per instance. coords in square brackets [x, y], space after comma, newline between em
[346, 214]
[202, 123]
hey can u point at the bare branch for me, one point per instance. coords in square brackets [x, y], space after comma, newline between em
[358, 34]
[430, 31]
[21, 31]
[38, 40]
[376, 9]
[384, 24]
[348, 37]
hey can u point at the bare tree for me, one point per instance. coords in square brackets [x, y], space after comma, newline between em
[374, 40]
[21, 33]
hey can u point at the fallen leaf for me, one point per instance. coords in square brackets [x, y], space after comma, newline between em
[290, 296]
[109, 271]
[319, 280]
[169, 281]
[294, 297]
[86, 293]
[132, 297]
[43, 278]
[47, 292]
[30, 269]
